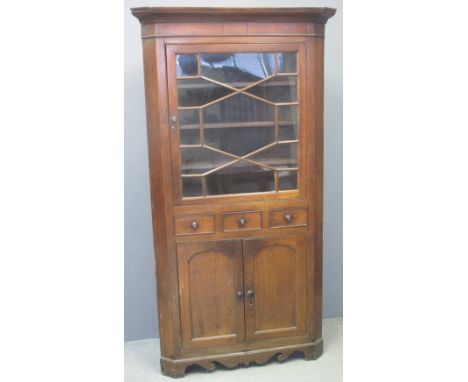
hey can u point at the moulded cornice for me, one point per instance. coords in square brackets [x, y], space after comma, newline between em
[184, 14]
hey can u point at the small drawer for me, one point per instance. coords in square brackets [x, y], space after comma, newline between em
[242, 221]
[194, 224]
[290, 217]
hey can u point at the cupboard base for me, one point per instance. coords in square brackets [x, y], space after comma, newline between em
[177, 368]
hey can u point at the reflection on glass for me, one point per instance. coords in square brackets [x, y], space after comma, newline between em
[241, 177]
[198, 160]
[238, 69]
[287, 62]
[224, 123]
[287, 180]
[197, 92]
[191, 187]
[277, 89]
[278, 156]
[186, 65]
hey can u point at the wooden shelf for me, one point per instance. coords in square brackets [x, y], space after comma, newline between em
[226, 125]
[239, 85]
[202, 167]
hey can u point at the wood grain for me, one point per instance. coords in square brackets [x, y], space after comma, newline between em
[210, 275]
[194, 224]
[200, 14]
[275, 270]
[177, 368]
[288, 217]
[242, 221]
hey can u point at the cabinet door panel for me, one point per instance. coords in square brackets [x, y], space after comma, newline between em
[210, 275]
[236, 114]
[275, 271]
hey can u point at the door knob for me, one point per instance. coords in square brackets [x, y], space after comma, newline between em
[250, 293]
[173, 122]
[240, 294]
[288, 217]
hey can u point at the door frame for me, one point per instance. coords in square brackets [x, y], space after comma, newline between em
[171, 51]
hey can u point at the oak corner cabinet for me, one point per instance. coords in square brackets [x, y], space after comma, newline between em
[234, 100]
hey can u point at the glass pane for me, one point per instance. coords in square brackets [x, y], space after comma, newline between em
[287, 62]
[188, 117]
[238, 108]
[191, 187]
[240, 140]
[189, 136]
[277, 89]
[287, 114]
[242, 177]
[189, 126]
[277, 156]
[287, 121]
[197, 91]
[239, 124]
[186, 65]
[287, 133]
[238, 69]
[287, 180]
[225, 125]
[198, 160]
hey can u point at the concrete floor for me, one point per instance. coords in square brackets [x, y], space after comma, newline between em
[142, 363]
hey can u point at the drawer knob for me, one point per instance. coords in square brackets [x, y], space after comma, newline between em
[288, 217]
[242, 221]
[194, 225]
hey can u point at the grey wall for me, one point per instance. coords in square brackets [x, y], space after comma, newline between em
[140, 287]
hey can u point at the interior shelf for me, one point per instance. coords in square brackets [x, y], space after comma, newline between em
[236, 124]
[239, 85]
[202, 167]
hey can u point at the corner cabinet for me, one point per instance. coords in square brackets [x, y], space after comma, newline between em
[234, 101]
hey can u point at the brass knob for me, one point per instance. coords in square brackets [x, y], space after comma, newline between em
[242, 221]
[240, 294]
[288, 217]
[194, 225]
[173, 122]
[250, 293]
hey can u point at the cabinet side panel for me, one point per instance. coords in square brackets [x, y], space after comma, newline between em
[315, 183]
[161, 195]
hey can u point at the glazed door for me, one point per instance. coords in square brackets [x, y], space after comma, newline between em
[275, 285]
[211, 293]
[236, 116]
